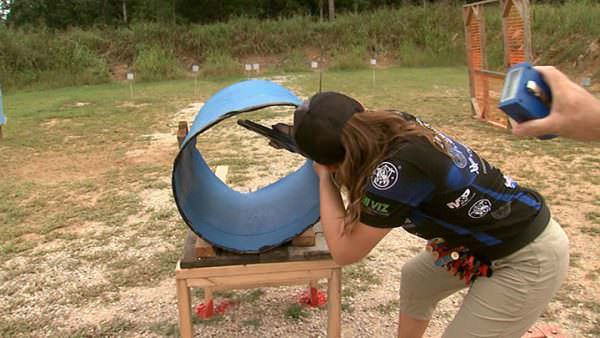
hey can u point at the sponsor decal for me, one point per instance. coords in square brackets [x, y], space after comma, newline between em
[385, 176]
[377, 207]
[457, 157]
[480, 208]
[484, 165]
[473, 166]
[502, 212]
[462, 200]
[509, 182]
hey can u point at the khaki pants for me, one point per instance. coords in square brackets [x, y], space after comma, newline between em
[504, 305]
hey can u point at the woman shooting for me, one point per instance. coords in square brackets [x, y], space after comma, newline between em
[484, 231]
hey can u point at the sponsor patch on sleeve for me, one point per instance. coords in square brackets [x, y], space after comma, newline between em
[385, 176]
[376, 207]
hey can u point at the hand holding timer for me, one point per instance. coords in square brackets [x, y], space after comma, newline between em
[525, 95]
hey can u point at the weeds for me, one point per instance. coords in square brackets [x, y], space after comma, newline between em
[409, 35]
[296, 312]
[390, 307]
[156, 63]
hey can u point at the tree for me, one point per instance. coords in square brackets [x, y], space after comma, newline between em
[125, 11]
[331, 10]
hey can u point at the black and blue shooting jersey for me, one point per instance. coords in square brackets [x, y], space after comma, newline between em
[455, 195]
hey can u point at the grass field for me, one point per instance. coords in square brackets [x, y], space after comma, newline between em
[89, 233]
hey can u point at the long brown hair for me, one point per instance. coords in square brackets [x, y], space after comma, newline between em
[369, 138]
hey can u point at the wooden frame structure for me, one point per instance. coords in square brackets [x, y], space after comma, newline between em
[305, 261]
[243, 276]
[486, 85]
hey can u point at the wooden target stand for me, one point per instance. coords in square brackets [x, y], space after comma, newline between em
[485, 84]
[303, 261]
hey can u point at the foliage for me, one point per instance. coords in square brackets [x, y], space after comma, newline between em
[62, 14]
[432, 35]
[220, 64]
[156, 63]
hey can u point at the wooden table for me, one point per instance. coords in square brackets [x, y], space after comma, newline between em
[285, 265]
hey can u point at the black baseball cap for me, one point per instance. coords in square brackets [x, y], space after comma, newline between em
[318, 125]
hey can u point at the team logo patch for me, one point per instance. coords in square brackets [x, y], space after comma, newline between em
[458, 157]
[502, 212]
[480, 208]
[384, 176]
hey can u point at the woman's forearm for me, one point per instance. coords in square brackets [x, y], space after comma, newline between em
[332, 221]
[332, 209]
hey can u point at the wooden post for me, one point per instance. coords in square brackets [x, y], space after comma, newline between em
[527, 30]
[307, 238]
[184, 304]
[334, 304]
[517, 48]
[203, 248]
[467, 12]
[182, 131]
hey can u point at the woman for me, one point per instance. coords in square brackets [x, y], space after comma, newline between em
[485, 232]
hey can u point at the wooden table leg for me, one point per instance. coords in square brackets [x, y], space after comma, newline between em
[334, 304]
[208, 295]
[185, 309]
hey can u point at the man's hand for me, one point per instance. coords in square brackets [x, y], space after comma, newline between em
[575, 113]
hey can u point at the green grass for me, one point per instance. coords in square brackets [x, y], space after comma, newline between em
[106, 128]
[357, 278]
[115, 327]
[392, 306]
[592, 231]
[296, 312]
[594, 217]
[143, 272]
[166, 328]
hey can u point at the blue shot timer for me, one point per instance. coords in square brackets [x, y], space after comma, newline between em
[525, 95]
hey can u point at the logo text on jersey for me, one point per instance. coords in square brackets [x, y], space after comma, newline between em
[377, 207]
[509, 182]
[462, 200]
[474, 166]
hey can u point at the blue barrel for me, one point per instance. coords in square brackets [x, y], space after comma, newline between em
[242, 222]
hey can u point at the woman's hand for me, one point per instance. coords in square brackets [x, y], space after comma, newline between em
[322, 170]
[345, 246]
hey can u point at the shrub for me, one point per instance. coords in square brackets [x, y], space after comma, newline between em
[220, 64]
[155, 63]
